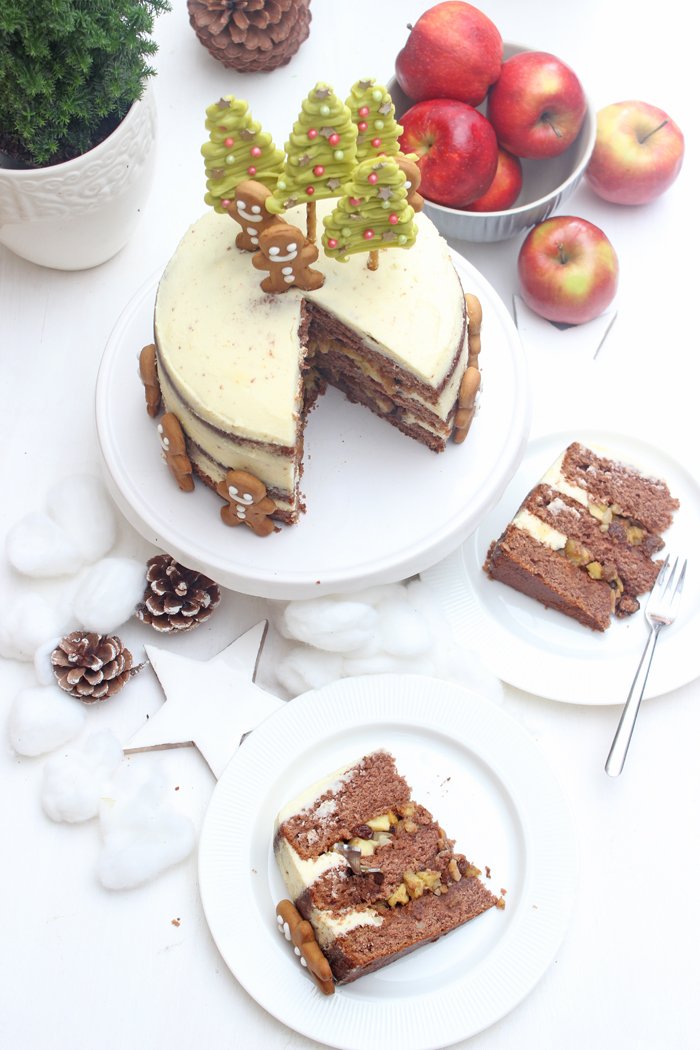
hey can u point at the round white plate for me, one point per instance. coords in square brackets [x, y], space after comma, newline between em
[541, 650]
[485, 781]
[380, 506]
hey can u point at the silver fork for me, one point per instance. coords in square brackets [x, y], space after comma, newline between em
[660, 611]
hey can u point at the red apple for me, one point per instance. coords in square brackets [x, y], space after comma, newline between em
[505, 187]
[537, 105]
[456, 147]
[568, 270]
[637, 155]
[453, 51]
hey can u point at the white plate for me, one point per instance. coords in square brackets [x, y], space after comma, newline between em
[485, 781]
[543, 651]
[380, 506]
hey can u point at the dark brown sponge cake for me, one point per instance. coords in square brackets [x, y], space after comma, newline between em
[583, 539]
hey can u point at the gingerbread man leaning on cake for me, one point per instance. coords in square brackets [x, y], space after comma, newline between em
[286, 254]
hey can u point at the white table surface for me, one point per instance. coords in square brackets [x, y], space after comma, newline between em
[84, 967]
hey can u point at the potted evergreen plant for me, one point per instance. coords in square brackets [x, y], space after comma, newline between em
[77, 126]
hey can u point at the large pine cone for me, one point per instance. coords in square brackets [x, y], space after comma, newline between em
[92, 666]
[251, 35]
[176, 598]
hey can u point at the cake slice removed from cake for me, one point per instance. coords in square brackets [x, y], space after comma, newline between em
[583, 539]
[371, 870]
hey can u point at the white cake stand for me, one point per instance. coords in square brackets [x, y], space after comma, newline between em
[381, 507]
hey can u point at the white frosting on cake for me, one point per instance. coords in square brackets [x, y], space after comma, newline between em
[232, 351]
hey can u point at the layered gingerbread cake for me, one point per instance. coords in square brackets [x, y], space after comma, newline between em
[371, 870]
[240, 368]
[583, 540]
[238, 361]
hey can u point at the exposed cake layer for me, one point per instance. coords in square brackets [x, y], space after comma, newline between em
[405, 885]
[583, 539]
[366, 947]
[235, 364]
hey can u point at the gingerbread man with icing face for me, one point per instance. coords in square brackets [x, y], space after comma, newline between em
[247, 502]
[248, 209]
[285, 253]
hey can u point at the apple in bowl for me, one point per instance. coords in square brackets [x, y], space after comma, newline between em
[505, 187]
[638, 153]
[456, 148]
[568, 270]
[453, 51]
[537, 105]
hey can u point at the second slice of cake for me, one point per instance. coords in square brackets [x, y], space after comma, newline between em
[371, 869]
[583, 538]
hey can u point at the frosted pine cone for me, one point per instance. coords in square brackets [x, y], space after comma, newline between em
[251, 35]
[176, 599]
[92, 666]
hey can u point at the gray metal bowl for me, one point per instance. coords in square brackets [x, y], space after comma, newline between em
[546, 183]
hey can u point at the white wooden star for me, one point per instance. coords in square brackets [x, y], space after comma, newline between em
[209, 704]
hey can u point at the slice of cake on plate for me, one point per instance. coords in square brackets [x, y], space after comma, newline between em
[583, 539]
[371, 870]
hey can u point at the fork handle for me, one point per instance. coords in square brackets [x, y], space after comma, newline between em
[625, 728]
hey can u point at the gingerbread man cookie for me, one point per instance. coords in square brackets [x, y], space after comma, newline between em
[172, 440]
[412, 173]
[248, 209]
[301, 934]
[474, 314]
[466, 404]
[286, 254]
[149, 377]
[247, 502]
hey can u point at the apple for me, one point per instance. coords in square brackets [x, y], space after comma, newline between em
[537, 105]
[456, 148]
[638, 153]
[568, 270]
[505, 187]
[453, 51]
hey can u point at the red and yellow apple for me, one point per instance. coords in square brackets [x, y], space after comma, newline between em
[568, 270]
[537, 105]
[505, 187]
[637, 155]
[453, 51]
[456, 148]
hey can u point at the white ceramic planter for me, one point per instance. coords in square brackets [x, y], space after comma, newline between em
[76, 215]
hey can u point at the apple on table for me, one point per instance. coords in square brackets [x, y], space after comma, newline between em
[537, 105]
[638, 153]
[568, 270]
[456, 148]
[453, 51]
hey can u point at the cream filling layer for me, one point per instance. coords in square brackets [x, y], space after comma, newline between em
[539, 530]
[299, 874]
[331, 926]
[234, 352]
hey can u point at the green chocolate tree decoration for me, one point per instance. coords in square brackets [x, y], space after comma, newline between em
[237, 149]
[321, 155]
[372, 214]
[372, 110]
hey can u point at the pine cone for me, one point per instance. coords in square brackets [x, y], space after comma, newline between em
[251, 35]
[176, 598]
[92, 666]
